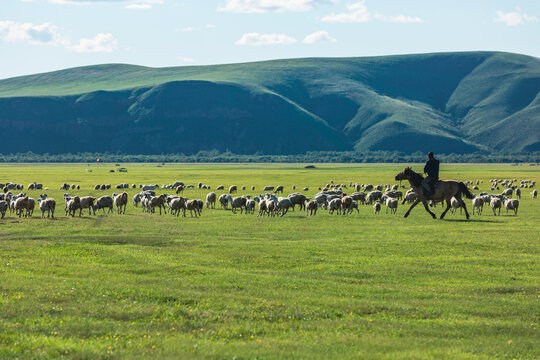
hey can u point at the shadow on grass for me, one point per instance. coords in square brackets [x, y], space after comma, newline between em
[471, 220]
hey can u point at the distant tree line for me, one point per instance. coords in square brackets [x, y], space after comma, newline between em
[215, 156]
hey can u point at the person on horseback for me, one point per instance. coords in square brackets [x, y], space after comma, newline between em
[432, 170]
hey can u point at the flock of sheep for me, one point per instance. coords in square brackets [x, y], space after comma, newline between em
[331, 198]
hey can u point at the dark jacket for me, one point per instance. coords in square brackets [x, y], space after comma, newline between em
[432, 168]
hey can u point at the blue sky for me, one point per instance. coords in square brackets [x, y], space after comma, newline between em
[44, 35]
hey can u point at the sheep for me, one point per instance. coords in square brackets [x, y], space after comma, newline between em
[507, 192]
[306, 189]
[73, 186]
[478, 204]
[377, 207]
[64, 187]
[193, 205]
[87, 202]
[333, 205]
[47, 205]
[157, 201]
[121, 202]
[346, 204]
[73, 205]
[355, 206]
[311, 207]
[233, 189]
[534, 194]
[97, 187]
[283, 205]
[367, 188]
[279, 189]
[137, 199]
[211, 200]
[410, 197]
[250, 206]
[180, 189]
[392, 204]
[373, 196]
[455, 204]
[176, 204]
[3, 207]
[268, 188]
[511, 204]
[298, 199]
[237, 202]
[495, 204]
[262, 207]
[518, 193]
[220, 187]
[149, 187]
[104, 202]
[31, 186]
[253, 187]
[322, 200]
[359, 196]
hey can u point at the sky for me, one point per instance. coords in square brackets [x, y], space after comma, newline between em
[45, 35]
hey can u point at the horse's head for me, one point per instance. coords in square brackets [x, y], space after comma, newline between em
[405, 174]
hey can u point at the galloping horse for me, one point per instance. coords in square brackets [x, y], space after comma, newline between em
[444, 191]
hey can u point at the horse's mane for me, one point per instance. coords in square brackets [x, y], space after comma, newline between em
[416, 178]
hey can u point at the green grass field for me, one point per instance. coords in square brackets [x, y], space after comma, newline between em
[141, 286]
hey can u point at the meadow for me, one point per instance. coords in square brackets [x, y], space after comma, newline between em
[226, 286]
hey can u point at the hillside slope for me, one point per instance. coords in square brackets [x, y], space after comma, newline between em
[448, 103]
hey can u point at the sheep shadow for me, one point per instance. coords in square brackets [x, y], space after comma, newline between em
[470, 220]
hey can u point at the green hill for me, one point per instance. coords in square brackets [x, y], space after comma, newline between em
[446, 102]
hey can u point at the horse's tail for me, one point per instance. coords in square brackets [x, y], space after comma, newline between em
[465, 190]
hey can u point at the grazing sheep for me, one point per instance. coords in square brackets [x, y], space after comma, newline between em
[478, 204]
[87, 202]
[306, 189]
[193, 205]
[224, 201]
[250, 206]
[410, 197]
[507, 192]
[211, 200]
[157, 201]
[367, 188]
[455, 204]
[511, 204]
[268, 188]
[137, 199]
[355, 206]
[334, 205]
[279, 189]
[233, 189]
[534, 194]
[377, 207]
[495, 204]
[322, 200]
[3, 207]
[237, 202]
[97, 187]
[103, 203]
[47, 205]
[298, 199]
[253, 188]
[176, 204]
[518, 193]
[392, 204]
[359, 196]
[311, 207]
[149, 187]
[64, 187]
[346, 204]
[373, 196]
[180, 189]
[121, 202]
[220, 187]
[73, 186]
[72, 205]
[283, 205]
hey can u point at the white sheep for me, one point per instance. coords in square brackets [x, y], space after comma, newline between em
[511, 204]
[392, 204]
[495, 203]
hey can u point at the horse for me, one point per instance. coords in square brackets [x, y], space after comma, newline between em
[444, 191]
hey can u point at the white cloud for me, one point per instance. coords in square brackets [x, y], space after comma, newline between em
[133, 4]
[138, 6]
[186, 29]
[318, 37]
[514, 18]
[263, 6]
[100, 43]
[210, 26]
[399, 18]
[45, 33]
[186, 59]
[358, 13]
[256, 39]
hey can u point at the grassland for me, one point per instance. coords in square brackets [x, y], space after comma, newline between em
[141, 286]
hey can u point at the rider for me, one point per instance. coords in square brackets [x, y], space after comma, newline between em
[432, 171]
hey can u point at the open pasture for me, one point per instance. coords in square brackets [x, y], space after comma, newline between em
[141, 285]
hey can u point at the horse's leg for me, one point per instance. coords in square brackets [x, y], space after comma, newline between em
[448, 207]
[426, 206]
[413, 205]
[464, 208]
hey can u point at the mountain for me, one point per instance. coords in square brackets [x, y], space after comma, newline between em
[444, 102]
